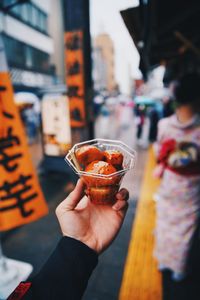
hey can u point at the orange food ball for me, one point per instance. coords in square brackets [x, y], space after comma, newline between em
[102, 195]
[100, 167]
[113, 157]
[87, 154]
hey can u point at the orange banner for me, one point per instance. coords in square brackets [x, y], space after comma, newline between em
[75, 77]
[21, 198]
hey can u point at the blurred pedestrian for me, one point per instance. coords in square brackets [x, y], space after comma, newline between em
[154, 118]
[125, 116]
[87, 230]
[168, 107]
[178, 155]
[31, 120]
[97, 103]
[140, 120]
[104, 122]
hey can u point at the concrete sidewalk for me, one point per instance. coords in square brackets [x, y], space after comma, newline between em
[34, 242]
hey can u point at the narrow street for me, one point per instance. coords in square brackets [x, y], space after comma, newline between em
[44, 234]
[106, 280]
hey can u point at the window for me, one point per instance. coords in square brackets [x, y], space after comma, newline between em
[30, 14]
[8, 2]
[42, 21]
[34, 19]
[29, 57]
[25, 12]
[14, 47]
[16, 10]
[25, 56]
[19, 52]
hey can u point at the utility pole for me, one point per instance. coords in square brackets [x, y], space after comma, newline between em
[78, 68]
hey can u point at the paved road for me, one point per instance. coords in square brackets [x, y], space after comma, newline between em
[34, 242]
[106, 280]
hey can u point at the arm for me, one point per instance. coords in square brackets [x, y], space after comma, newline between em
[88, 230]
[65, 275]
[163, 147]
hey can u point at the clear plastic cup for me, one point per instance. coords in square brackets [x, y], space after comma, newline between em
[101, 188]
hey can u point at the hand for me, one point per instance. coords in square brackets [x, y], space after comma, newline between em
[94, 225]
[158, 171]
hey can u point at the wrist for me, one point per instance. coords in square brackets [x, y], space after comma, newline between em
[92, 244]
[88, 242]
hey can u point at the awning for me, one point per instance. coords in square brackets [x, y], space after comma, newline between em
[165, 32]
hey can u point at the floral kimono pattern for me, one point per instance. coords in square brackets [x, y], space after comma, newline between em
[178, 206]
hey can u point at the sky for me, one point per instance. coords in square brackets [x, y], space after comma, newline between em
[105, 18]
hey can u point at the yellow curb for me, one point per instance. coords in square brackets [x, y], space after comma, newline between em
[141, 280]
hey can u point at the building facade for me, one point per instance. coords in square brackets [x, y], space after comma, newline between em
[103, 63]
[99, 69]
[29, 44]
[56, 30]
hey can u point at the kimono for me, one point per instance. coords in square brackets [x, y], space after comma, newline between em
[178, 206]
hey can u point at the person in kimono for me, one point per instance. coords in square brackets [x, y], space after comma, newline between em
[178, 197]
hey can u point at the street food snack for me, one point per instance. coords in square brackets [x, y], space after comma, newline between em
[101, 164]
[114, 157]
[101, 168]
[87, 154]
[101, 190]
[102, 195]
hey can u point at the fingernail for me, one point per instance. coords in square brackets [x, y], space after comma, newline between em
[118, 195]
[116, 207]
[123, 194]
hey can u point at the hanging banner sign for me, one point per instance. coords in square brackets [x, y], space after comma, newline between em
[21, 198]
[56, 125]
[75, 77]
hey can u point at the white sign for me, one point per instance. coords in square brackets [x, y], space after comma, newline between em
[56, 125]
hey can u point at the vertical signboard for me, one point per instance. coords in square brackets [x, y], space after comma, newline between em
[75, 77]
[21, 198]
[78, 64]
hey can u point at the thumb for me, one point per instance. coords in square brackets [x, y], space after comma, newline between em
[73, 198]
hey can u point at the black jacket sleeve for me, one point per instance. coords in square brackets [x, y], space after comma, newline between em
[65, 275]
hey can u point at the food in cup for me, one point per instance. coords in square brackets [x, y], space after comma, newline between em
[103, 168]
[100, 167]
[87, 154]
[102, 195]
[95, 162]
[114, 157]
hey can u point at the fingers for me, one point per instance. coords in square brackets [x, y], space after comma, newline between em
[120, 205]
[73, 198]
[122, 197]
[123, 194]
